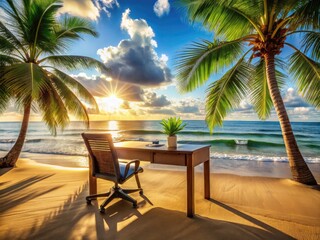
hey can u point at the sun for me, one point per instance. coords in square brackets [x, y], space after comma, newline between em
[109, 104]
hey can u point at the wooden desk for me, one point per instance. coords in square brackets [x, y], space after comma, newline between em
[184, 155]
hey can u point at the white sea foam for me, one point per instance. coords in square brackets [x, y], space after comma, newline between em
[258, 158]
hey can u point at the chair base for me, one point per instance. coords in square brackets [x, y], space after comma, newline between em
[115, 192]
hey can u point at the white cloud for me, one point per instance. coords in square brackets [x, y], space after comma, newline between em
[138, 30]
[135, 60]
[189, 106]
[104, 5]
[88, 8]
[151, 99]
[292, 99]
[161, 7]
[102, 86]
[301, 110]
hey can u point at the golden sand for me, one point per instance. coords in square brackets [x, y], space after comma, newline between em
[40, 201]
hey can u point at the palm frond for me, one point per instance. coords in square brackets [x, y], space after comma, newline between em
[282, 9]
[260, 95]
[196, 63]
[4, 97]
[311, 44]
[14, 17]
[6, 46]
[306, 16]
[77, 86]
[6, 34]
[24, 80]
[70, 29]
[40, 23]
[7, 60]
[228, 19]
[74, 62]
[306, 74]
[54, 111]
[226, 93]
[72, 103]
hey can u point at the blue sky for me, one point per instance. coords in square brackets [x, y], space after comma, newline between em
[139, 40]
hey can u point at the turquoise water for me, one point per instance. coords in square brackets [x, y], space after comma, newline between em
[235, 141]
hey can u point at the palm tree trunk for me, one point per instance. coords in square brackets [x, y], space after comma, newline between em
[299, 169]
[12, 156]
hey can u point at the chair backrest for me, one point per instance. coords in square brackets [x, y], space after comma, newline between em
[102, 155]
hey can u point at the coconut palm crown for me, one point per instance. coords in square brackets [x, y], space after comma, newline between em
[33, 38]
[249, 38]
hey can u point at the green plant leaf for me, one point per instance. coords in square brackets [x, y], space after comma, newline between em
[75, 62]
[306, 74]
[24, 80]
[260, 95]
[172, 126]
[79, 88]
[227, 19]
[311, 44]
[7, 60]
[306, 15]
[195, 64]
[72, 103]
[226, 93]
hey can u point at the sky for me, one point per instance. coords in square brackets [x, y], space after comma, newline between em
[139, 41]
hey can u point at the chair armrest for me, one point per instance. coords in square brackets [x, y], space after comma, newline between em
[121, 161]
[136, 166]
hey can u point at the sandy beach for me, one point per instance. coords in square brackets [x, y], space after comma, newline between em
[42, 201]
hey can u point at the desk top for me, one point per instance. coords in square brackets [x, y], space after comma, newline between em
[140, 145]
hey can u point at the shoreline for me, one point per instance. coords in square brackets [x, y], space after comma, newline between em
[234, 167]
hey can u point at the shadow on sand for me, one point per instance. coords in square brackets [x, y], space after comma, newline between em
[17, 194]
[76, 220]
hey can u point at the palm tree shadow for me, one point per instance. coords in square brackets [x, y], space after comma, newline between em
[5, 170]
[57, 223]
[75, 213]
[159, 223]
[74, 219]
[257, 222]
[14, 195]
[316, 187]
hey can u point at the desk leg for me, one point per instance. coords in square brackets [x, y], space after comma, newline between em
[190, 187]
[92, 181]
[206, 169]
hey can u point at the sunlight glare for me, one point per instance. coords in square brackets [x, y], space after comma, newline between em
[110, 104]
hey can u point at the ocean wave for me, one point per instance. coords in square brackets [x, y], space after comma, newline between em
[56, 152]
[7, 140]
[235, 142]
[214, 155]
[215, 134]
[257, 158]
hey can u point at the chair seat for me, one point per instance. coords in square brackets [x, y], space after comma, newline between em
[131, 171]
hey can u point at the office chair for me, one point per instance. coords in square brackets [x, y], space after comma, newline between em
[106, 165]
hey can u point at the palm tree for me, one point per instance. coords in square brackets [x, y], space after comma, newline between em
[249, 38]
[32, 40]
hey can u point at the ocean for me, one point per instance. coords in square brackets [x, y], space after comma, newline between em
[234, 146]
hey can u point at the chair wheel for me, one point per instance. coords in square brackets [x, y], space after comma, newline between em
[141, 192]
[135, 205]
[88, 202]
[102, 210]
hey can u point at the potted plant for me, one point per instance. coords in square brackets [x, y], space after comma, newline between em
[171, 127]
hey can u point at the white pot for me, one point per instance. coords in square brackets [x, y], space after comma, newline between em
[172, 141]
